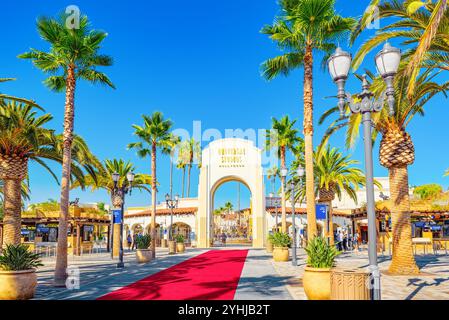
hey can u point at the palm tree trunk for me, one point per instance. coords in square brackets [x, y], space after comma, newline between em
[403, 260]
[61, 256]
[183, 180]
[188, 179]
[154, 197]
[283, 200]
[12, 202]
[308, 140]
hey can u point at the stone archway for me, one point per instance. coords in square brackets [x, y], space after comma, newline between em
[231, 160]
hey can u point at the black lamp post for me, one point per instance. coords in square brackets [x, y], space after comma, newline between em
[300, 172]
[387, 62]
[171, 204]
[121, 191]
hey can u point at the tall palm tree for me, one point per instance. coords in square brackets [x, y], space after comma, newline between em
[182, 166]
[4, 96]
[23, 137]
[284, 137]
[190, 151]
[154, 134]
[272, 174]
[302, 28]
[422, 26]
[73, 55]
[397, 152]
[228, 207]
[101, 178]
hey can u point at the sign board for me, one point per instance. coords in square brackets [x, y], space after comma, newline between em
[321, 212]
[117, 216]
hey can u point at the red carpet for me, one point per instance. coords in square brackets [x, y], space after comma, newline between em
[213, 275]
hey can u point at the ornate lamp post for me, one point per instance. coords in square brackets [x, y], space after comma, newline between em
[300, 172]
[171, 204]
[284, 173]
[119, 192]
[276, 202]
[387, 62]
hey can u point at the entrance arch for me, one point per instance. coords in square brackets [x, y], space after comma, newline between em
[230, 160]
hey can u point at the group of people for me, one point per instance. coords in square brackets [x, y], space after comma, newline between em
[132, 241]
[345, 241]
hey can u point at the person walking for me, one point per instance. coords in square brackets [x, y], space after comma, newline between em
[223, 239]
[129, 241]
[345, 241]
[356, 241]
[340, 240]
[134, 246]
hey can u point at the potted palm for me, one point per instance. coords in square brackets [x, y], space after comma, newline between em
[317, 275]
[281, 242]
[18, 272]
[180, 247]
[143, 253]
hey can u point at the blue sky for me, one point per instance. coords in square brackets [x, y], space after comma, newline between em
[193, 60]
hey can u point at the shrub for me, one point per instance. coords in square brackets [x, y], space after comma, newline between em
[143, 242]
[19, 258]
[179, 238]
[320, 254]
[428, 191]
[280, 239]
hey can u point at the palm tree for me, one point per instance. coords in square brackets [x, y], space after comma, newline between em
[23, 137]
[101, 178]
[422, 25]
[4, 96]
[284, 137]
[305, 26]
[190, 151]
[154, 134]
[396, 154]
[336, 173]
[182, 166]
[272, 174]
[228, 207]
[73, 55]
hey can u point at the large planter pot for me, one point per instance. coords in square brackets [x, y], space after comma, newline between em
[171, 247]
[281, 254]
[17, 285]
[180, 247]
[143, 255]
[317, 283]
[269, 247]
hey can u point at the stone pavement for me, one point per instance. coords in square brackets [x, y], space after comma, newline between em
[259, 280]
[431, 284]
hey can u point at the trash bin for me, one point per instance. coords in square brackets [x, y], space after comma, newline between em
[350, 284]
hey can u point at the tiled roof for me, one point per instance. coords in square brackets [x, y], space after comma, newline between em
[162, 212]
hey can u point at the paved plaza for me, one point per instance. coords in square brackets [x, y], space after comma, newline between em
[261, 278]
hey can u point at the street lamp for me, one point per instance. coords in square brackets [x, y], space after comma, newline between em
[120, 192]
[387, 62]
[171, 204]
[300, 172]
[284, 173]
[275, 202]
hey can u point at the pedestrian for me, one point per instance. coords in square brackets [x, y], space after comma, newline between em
[345, 241]
[134, 246]
[356, 240]
[340, 240]
[223, 239]
[129, 240]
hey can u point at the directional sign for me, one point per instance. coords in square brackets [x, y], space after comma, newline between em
[321, 212]
[117, 215]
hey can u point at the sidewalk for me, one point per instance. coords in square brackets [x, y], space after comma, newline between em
[431, 284]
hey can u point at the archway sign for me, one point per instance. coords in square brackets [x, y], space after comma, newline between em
[230, 160]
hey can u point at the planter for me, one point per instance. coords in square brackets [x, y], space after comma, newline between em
[171, 247]
[317, 283]
[180, 247]
[143, 255]
[350, 284]
[269, 247]
[17, 285]
[281, 254]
